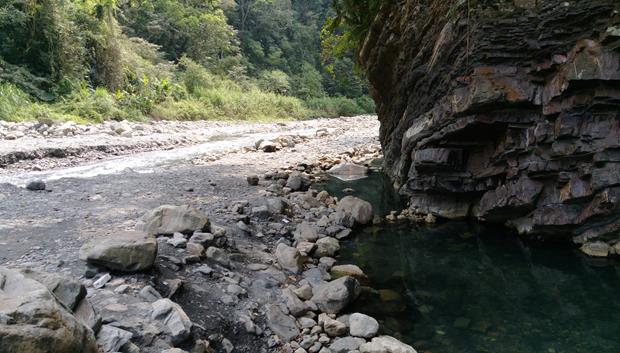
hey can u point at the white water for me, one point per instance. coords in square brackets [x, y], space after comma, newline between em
[146, 162]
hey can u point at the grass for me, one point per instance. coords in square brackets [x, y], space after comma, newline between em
[213, 102]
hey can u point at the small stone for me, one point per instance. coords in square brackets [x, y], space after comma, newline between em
[327, 246]
[252, 179]
[36, 185]
[101, 281]
[334, 296]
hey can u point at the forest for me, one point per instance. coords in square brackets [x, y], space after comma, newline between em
[96, 60]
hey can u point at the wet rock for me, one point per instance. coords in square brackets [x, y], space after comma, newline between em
[167, 220]
[177, 323]
[596, 249]
[349, 270]
[281, 324]
[289, 258]
[361, 325]
[346, 344]
[347, 169]
[360, 210]
[111, 339]
[327, 246]
[32, 320]
[36, 185]
[124, 251]
[336, 295]
[386, 344]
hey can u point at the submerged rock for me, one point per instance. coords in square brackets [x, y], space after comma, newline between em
[386, 344]
[334, 296]
[360, 210]
[596, 249]
[126, 251]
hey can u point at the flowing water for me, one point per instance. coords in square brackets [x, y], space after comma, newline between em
[459, 287]
[147, 162]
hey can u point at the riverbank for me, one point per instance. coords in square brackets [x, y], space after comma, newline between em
[44, 146]
[229, 290]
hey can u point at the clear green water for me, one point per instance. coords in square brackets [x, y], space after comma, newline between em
[459, 287]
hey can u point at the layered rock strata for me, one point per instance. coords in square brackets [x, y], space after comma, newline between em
[503, 111]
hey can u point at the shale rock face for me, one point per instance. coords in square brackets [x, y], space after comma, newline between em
[507, 112]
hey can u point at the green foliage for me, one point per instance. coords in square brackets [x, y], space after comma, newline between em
[347, 28]
[94, 60]
[274, 81]
[334, 107]
[308, 83]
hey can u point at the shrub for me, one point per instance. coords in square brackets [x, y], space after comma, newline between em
[13, 102]
[333, 107]
[275, 81]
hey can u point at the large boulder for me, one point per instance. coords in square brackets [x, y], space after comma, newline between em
[126, 251]
[167, 220]
[348, 171]
[334, 296]
[32, 320]
[360, 210]
[289, 258]
[362, 325]
[68, 290]
[175, 320]
[281, 324]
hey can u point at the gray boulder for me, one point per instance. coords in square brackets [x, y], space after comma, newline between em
[32, 320]
[67, 290]
[306, 232]
[334, 296]
[111, 338]
[168, 220]
[360, 210]
[177, 323]
[126, 251]
[361, 325]
[289, 258]
[327, 246]
[281, 324]
[346, 344]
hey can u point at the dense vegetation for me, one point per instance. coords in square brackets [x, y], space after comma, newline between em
[91, 60]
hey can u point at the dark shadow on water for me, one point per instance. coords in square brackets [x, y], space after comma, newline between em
[468, 288]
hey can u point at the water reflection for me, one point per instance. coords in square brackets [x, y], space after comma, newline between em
[468, 288]
[461, 287]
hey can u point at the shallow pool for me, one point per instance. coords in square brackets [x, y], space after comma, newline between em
[462, 287]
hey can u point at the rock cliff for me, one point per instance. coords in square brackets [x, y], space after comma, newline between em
[504, 111]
